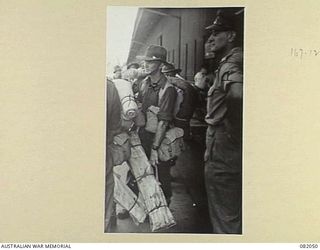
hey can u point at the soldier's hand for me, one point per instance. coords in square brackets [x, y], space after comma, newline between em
[154, 158]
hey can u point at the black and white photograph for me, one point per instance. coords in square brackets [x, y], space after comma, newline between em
[156, 122]
[174, 120]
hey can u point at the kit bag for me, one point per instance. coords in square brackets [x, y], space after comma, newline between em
[172, 145]
[152, 119]
[121, 150]
[185, 102]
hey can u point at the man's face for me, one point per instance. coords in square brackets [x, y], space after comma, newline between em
[220, 39]
[152, 67]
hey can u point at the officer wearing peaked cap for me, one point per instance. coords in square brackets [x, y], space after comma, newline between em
[223, 156]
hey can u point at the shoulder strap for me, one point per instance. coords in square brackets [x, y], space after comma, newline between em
[163, 90]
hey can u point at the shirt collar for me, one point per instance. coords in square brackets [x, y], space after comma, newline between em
[234, 50]
[159, 84]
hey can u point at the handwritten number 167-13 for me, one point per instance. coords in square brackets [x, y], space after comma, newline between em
[300, 53]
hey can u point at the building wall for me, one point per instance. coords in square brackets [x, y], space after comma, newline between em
[167, 28]
[192, 41]
[193, 37]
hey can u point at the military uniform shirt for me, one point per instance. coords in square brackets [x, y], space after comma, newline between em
[228, 72]
[150, 96]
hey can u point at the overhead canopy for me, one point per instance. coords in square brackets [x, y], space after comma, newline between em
[145, 22]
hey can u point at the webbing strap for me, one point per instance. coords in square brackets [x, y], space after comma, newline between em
[127, 98]
[156, 207]
[135, 202]
[145, 174]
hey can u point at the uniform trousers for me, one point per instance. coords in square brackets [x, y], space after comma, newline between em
[223, 177]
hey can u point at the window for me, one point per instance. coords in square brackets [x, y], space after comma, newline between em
[195, 57]
[186, 63]
[160, 40]
[173, 56]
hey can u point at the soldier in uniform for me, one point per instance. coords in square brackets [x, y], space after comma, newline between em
[169, 70]
[113, 128]
[149, 96]
[223, 156]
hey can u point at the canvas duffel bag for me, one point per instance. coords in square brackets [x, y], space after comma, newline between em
[121, 148]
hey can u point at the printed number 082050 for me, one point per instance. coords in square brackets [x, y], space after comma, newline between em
[308, 245]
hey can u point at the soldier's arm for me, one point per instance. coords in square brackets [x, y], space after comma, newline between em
[161, 131]
[165, 115]
[233, 84]
[234, 97]
[235, 91]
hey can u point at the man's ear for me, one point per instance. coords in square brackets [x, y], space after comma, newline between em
[232, 36]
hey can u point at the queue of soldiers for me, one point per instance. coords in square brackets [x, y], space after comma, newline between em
[160, 90]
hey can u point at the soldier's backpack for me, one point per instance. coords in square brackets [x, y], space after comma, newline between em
[172, 145]
[185, 102]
